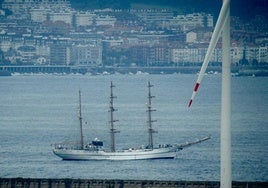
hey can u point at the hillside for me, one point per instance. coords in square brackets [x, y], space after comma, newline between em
[244, 9]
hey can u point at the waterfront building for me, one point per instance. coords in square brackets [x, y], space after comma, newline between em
[159, 56]
[236, 54]
[5, 42]
[192, 55]
[27, 53]
[256, 54]
[186, 55]
[60, 52]
[263, 54]
[89, 54]
[43, 51]
[139, 55]
[252, 54]
[147, 55]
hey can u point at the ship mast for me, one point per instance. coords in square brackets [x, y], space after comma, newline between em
[112, 120]
[150, 121]
[80, 122]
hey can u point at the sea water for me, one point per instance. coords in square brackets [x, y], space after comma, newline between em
[39, 110]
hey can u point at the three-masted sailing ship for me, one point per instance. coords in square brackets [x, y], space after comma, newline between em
[96, 151]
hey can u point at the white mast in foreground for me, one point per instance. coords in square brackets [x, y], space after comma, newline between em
[226, 163]
[222, 25]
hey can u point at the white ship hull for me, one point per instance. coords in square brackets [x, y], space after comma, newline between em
[159, 153]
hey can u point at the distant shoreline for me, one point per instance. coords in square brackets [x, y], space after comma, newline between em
[237, 71]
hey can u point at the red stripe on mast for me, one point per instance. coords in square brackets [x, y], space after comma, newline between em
[196, 87]
[190, 103]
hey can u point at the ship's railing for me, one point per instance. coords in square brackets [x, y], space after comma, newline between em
[67, 145]
[77, 146]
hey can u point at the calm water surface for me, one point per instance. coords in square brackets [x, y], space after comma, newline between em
[39, 110]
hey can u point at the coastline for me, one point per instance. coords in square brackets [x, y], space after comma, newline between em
[106, 70]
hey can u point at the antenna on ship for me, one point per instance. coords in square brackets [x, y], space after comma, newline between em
[80, 122]
[150, 121]
[112, 120]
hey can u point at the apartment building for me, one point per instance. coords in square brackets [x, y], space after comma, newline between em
[197, 55]
[87, 54]
[191, 37]
[153, 15]
[255, 53]
[59, 54]
[64, 16]
[84, 18]
[27, 53]
[34, 9]
[190, 21]
[105, 20]
[39, 14]
[147, 55]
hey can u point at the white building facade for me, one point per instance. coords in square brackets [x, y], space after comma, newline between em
[84, 18]
[87, 54]
[191, 21]
[197, 55]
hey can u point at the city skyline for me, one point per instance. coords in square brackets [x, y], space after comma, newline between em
[53, 33]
